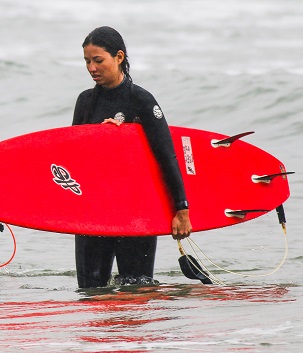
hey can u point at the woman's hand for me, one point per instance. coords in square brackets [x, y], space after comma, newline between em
[181, 226]
[112, 121]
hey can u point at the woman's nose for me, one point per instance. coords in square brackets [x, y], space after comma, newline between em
[91, 67]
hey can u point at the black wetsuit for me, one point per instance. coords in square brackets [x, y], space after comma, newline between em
[135, 255]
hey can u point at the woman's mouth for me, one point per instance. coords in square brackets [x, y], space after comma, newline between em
[96, 77]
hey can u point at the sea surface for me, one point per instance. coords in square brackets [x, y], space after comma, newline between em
[228, 66]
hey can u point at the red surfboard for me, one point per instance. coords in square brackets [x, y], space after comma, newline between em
[104, 180]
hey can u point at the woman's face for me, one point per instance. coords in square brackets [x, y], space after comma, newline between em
[103, 68]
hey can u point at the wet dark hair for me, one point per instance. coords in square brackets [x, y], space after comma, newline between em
[109, 39]
[112, 41]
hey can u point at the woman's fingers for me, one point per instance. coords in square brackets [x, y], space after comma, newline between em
[112, 121]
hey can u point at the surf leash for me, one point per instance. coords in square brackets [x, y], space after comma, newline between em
[194, 268]
[14, 242]
[192, 244]
[281, 217]
[195, 248]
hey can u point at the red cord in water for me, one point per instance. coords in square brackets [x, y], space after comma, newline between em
[15, 247]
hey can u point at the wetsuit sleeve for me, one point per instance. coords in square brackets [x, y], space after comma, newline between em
[81, 102]
[159, 137]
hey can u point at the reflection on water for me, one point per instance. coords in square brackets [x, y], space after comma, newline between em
[137, 294]
[141, 315]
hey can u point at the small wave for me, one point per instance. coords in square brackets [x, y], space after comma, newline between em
[7, 64]
[38, 273]
[298, 258]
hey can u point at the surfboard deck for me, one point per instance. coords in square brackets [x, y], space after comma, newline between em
[104, 180]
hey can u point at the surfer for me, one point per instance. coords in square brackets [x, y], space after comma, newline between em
[116, 99]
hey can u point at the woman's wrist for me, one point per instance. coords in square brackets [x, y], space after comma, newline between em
[182, 205]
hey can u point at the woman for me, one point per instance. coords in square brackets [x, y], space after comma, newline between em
[115, 99]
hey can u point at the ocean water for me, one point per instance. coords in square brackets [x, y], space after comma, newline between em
[228, 66]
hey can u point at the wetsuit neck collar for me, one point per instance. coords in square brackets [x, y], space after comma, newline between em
[113, 88]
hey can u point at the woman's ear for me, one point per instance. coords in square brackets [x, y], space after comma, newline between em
[120, 56]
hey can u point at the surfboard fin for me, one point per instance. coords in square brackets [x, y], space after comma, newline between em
[229, 140]
[1, 227]
[268, 178]
[241, 213]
